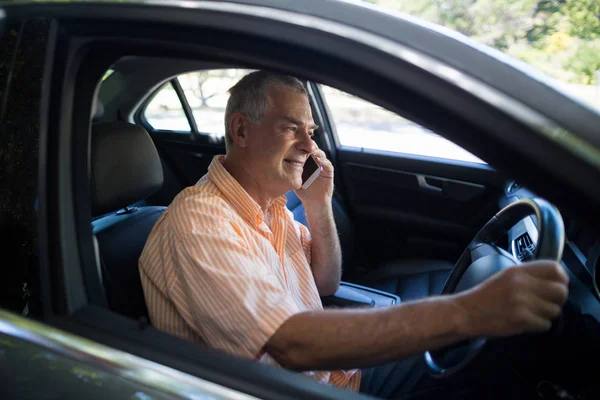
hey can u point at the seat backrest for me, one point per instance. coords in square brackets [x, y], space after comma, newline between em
[121, 239]
[125, 169]
[342, 222]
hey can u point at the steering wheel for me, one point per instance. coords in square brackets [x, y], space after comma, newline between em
[483, 258]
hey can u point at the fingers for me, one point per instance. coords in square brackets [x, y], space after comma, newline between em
[543, 302]
[525, 298]
[319, 155]
[544, 308]
[321, 159]
[535, 323]
[547, 270]
[555, 292]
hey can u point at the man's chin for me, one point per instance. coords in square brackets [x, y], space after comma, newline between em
[294, 182]
[297, 184]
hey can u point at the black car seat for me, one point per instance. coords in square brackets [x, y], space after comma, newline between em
[125, 168]
[410, 279]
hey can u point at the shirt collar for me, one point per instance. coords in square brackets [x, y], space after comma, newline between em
[235, 193]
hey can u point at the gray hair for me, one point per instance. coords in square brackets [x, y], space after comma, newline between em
[250, 96]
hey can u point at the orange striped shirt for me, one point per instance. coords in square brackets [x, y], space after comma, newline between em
[213, 272]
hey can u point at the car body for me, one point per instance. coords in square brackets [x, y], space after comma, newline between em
[536, 140]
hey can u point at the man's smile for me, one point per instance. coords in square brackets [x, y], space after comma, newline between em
[295, 163]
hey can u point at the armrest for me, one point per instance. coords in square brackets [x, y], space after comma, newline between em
[357, 296]
[347, 297]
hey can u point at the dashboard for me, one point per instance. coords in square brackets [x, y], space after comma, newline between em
[581, 255]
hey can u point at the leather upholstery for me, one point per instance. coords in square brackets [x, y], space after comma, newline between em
[410, 279]
[121, 239]
[126, 169]
[125, 166]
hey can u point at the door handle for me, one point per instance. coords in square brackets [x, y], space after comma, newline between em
[423, 184]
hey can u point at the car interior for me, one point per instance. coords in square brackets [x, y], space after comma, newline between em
[400, 238]
[396, 236]
[405, 215]
[373, 196]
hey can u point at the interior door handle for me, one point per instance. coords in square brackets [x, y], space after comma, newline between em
[423, 184]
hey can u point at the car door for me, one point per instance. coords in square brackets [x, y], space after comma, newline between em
[57, 337]
[83, 42]
[411, 192]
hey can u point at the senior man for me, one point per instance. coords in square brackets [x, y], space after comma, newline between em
[227, 265]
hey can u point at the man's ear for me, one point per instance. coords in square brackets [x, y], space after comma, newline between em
[238, 126]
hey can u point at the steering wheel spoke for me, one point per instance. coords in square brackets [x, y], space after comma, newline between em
[480, 250]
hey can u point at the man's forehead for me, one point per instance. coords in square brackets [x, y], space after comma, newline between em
[290, 104]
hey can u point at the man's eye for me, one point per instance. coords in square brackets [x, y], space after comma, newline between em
[311, 133]
[292, 128]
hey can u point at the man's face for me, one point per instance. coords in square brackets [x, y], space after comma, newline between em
[279, 144]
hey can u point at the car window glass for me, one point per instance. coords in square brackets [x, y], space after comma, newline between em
[22, 51]
[165, 111]
[365, 125]
[207, 94]
[38, 372]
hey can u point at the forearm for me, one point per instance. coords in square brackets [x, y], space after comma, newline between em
[351, 338]
[326, 259]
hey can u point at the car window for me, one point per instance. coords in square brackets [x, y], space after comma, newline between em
[165, 111]
[365, 125]
[206, 94]
[22, 49]
[39, 372]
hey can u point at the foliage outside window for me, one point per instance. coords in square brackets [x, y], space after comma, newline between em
[559, 37]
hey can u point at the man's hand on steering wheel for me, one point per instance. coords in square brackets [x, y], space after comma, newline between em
[500, 296]
[516, 300]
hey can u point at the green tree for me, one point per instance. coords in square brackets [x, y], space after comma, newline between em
[553, 35]
[586, 61]
[584, 16]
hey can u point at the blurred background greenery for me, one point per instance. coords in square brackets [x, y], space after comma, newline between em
[559, 37]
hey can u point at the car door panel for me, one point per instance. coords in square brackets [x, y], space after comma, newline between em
[416, 206]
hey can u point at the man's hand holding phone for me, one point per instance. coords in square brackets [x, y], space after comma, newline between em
[317, 180]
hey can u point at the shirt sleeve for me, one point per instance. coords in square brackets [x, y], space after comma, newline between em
[226, 293]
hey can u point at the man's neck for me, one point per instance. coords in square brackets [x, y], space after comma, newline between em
[246, 181]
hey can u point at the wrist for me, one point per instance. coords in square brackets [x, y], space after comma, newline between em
[318, 208]
[462, 317]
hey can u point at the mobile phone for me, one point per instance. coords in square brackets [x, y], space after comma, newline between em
[311, 171]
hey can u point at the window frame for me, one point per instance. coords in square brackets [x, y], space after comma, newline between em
[140, 114]
[197, 135]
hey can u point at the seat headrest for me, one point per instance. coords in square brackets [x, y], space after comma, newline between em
[125, 166]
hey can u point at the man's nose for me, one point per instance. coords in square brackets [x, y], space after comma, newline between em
[307, 144]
